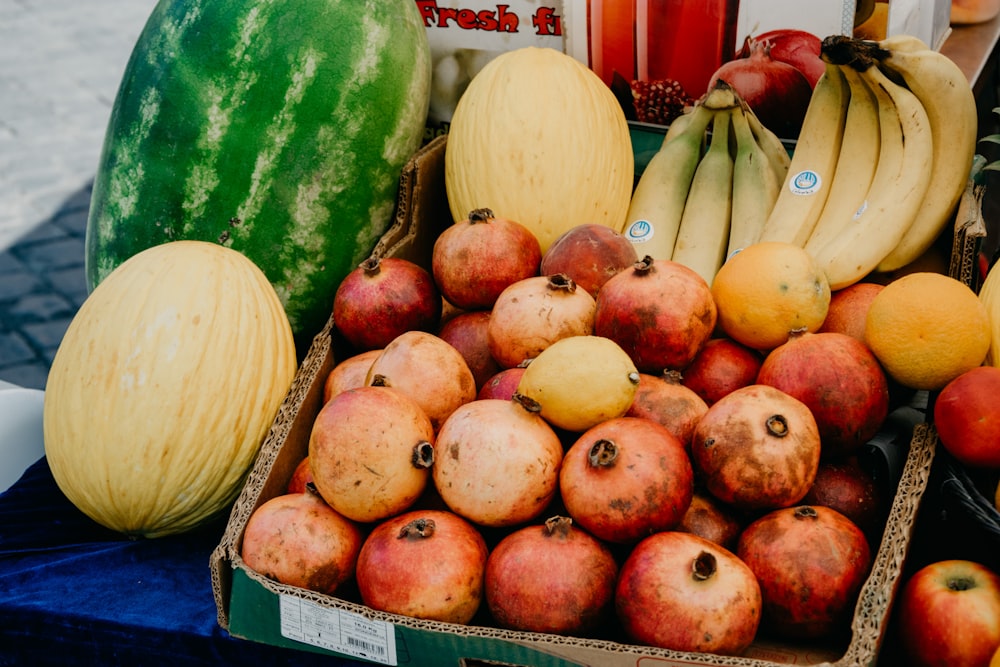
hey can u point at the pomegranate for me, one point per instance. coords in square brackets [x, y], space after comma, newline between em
[682, 592]
[777, 92]
[847, 487]
[663, 399]
[626, 478]
[552, 577]
[708, 518]
[757, 448]
[798, 48]
[503, 384]
[466, 332]
[427, 369]
[839, 380]
[811, 562]
[848, 309]
[498, 462]
[535, 312]
[301, 477]
[590, 254]
[382, 298]
[720, 367]
[424, 564]
[659, 311]
[369, 450]
[299, 540]
[349, 373]
[475, 259]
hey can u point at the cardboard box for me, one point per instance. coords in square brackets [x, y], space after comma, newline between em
[253, 607]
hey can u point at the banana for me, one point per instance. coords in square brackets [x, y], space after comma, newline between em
[947, 96]
[856, 164]
[805, 189]
[654, 213]
[901, 177]
[704, 230]
[755, 184]
[776, 152]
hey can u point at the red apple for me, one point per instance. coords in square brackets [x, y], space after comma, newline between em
[967, 417]
[949, 614]
[589, 254]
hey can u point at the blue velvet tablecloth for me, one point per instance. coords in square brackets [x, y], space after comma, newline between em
[74, 593]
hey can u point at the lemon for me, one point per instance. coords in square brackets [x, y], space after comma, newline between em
[581, 381]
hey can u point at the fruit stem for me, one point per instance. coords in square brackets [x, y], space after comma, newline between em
[777, 426]
[558, 526]
[704, 566]
[417, 529]
[371, 266]
[603, 453]
[423, 455]
[561, 281]
[480, 215]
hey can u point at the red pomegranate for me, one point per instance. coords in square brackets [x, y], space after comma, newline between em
[475, 259]
[626, 478]
[382, 298]
[466, 332]
[535, 312]
[707, 517]
[369, 450]
[811, 562]
[665, 400]
[720, 367]
[682, 592]
[428, 369]
[503, 384]
[425, 564]
[551, 577]
[659, 311]
[590, 254]
[839, 380]
[844, 485]
[757, 448]
[498, 462]
[299, 540]
[301, 477]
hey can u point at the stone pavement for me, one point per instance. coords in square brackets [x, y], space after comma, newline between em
[60, 65]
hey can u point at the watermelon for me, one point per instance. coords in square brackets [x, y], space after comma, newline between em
[278, 129]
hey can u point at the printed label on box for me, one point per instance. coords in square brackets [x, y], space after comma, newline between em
[337, 630]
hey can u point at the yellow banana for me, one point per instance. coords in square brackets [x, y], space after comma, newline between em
[947, 96]
[902, 176]
[654, 213]
[678, 125]
[807, 185]
[704, 230]
[755, 185]
[903, 42]
[856, 165]
[777, 154]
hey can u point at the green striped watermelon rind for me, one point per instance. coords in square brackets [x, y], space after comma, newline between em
[277, 129]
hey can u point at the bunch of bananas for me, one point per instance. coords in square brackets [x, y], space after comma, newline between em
[710, 187]
[881, 162]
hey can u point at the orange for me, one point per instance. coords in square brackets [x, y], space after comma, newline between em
[768, 290]
[927, 329]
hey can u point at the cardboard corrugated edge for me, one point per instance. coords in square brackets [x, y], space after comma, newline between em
[421, 193]
[287, 443]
